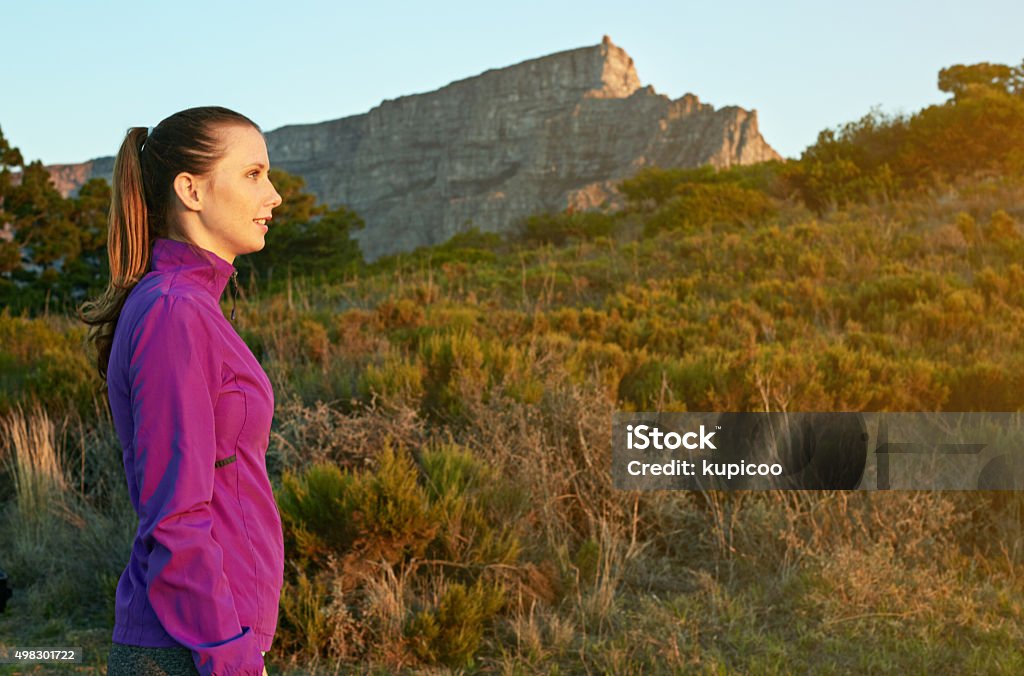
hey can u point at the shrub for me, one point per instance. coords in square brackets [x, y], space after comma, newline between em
[450, 631]
[510, 371]
[652, 386]
[606, 361]
[480, 510]
[454, 373]
[984, 386]
[397, 381]
[400, 314]
[449, 524]
[699, 205]
[313, 342]
[46, 361]
[1002, 228]
[557, 228]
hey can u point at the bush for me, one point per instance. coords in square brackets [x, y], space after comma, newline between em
[653, 187]
[557, 228]
[696, 206]
[448, 526]
[45, 360]
[454, 364]
[450, 631]
[397, 381]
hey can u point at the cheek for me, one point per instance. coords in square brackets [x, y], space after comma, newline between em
[253, 196]
[239, 202]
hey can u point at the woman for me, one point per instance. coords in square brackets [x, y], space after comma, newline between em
[191, 405]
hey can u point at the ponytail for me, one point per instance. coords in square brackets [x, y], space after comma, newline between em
[128, 233]
[128, 246]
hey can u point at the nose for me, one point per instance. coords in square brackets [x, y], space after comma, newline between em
[275, 199]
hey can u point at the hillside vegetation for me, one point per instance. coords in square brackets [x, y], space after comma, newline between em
[441, 442]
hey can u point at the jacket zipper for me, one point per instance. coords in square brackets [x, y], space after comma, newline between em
[234, 292]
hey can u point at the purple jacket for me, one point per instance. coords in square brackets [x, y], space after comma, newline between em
[193, 408]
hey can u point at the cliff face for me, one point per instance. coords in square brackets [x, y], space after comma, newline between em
[545, 134]
[68, 178]
[541, 135]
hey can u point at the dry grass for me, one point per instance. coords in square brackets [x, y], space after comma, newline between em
[33, 462]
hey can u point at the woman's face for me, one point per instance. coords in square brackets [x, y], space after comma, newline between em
[238, 197]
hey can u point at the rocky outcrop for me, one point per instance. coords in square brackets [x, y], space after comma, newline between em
[545, 134]
[68, 178]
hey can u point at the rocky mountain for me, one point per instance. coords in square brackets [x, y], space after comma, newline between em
[68, 178]
[546, 134]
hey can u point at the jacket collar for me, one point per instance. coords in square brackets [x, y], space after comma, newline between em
[201, 266]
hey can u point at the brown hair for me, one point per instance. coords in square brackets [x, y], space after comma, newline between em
[141, 205]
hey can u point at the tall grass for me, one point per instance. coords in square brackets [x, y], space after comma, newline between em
[65, 529]
[33, 462]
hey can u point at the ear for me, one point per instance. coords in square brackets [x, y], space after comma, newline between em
[188, 188]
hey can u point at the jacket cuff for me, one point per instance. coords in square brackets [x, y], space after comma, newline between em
[238, 656]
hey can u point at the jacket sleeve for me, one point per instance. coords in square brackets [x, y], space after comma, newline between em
[175, 379]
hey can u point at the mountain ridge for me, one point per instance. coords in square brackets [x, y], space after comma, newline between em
[545, 134]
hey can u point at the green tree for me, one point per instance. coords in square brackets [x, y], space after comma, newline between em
[58, 251]
[296, 204]
[10, 252]
[305, 237]
[41, 217]
[962, 81]
[86, 274]
[979, 130]
[850, 164]
[321, 245]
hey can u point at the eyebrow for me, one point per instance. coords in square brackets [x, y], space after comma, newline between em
[256, 164]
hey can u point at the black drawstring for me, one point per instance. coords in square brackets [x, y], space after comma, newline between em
[234, 292]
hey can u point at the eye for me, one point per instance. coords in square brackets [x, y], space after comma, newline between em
[254, 174]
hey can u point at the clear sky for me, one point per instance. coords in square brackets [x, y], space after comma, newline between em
[77, 74]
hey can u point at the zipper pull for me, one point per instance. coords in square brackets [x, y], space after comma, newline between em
[234, 292]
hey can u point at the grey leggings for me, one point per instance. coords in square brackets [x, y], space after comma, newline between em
[129, 660]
